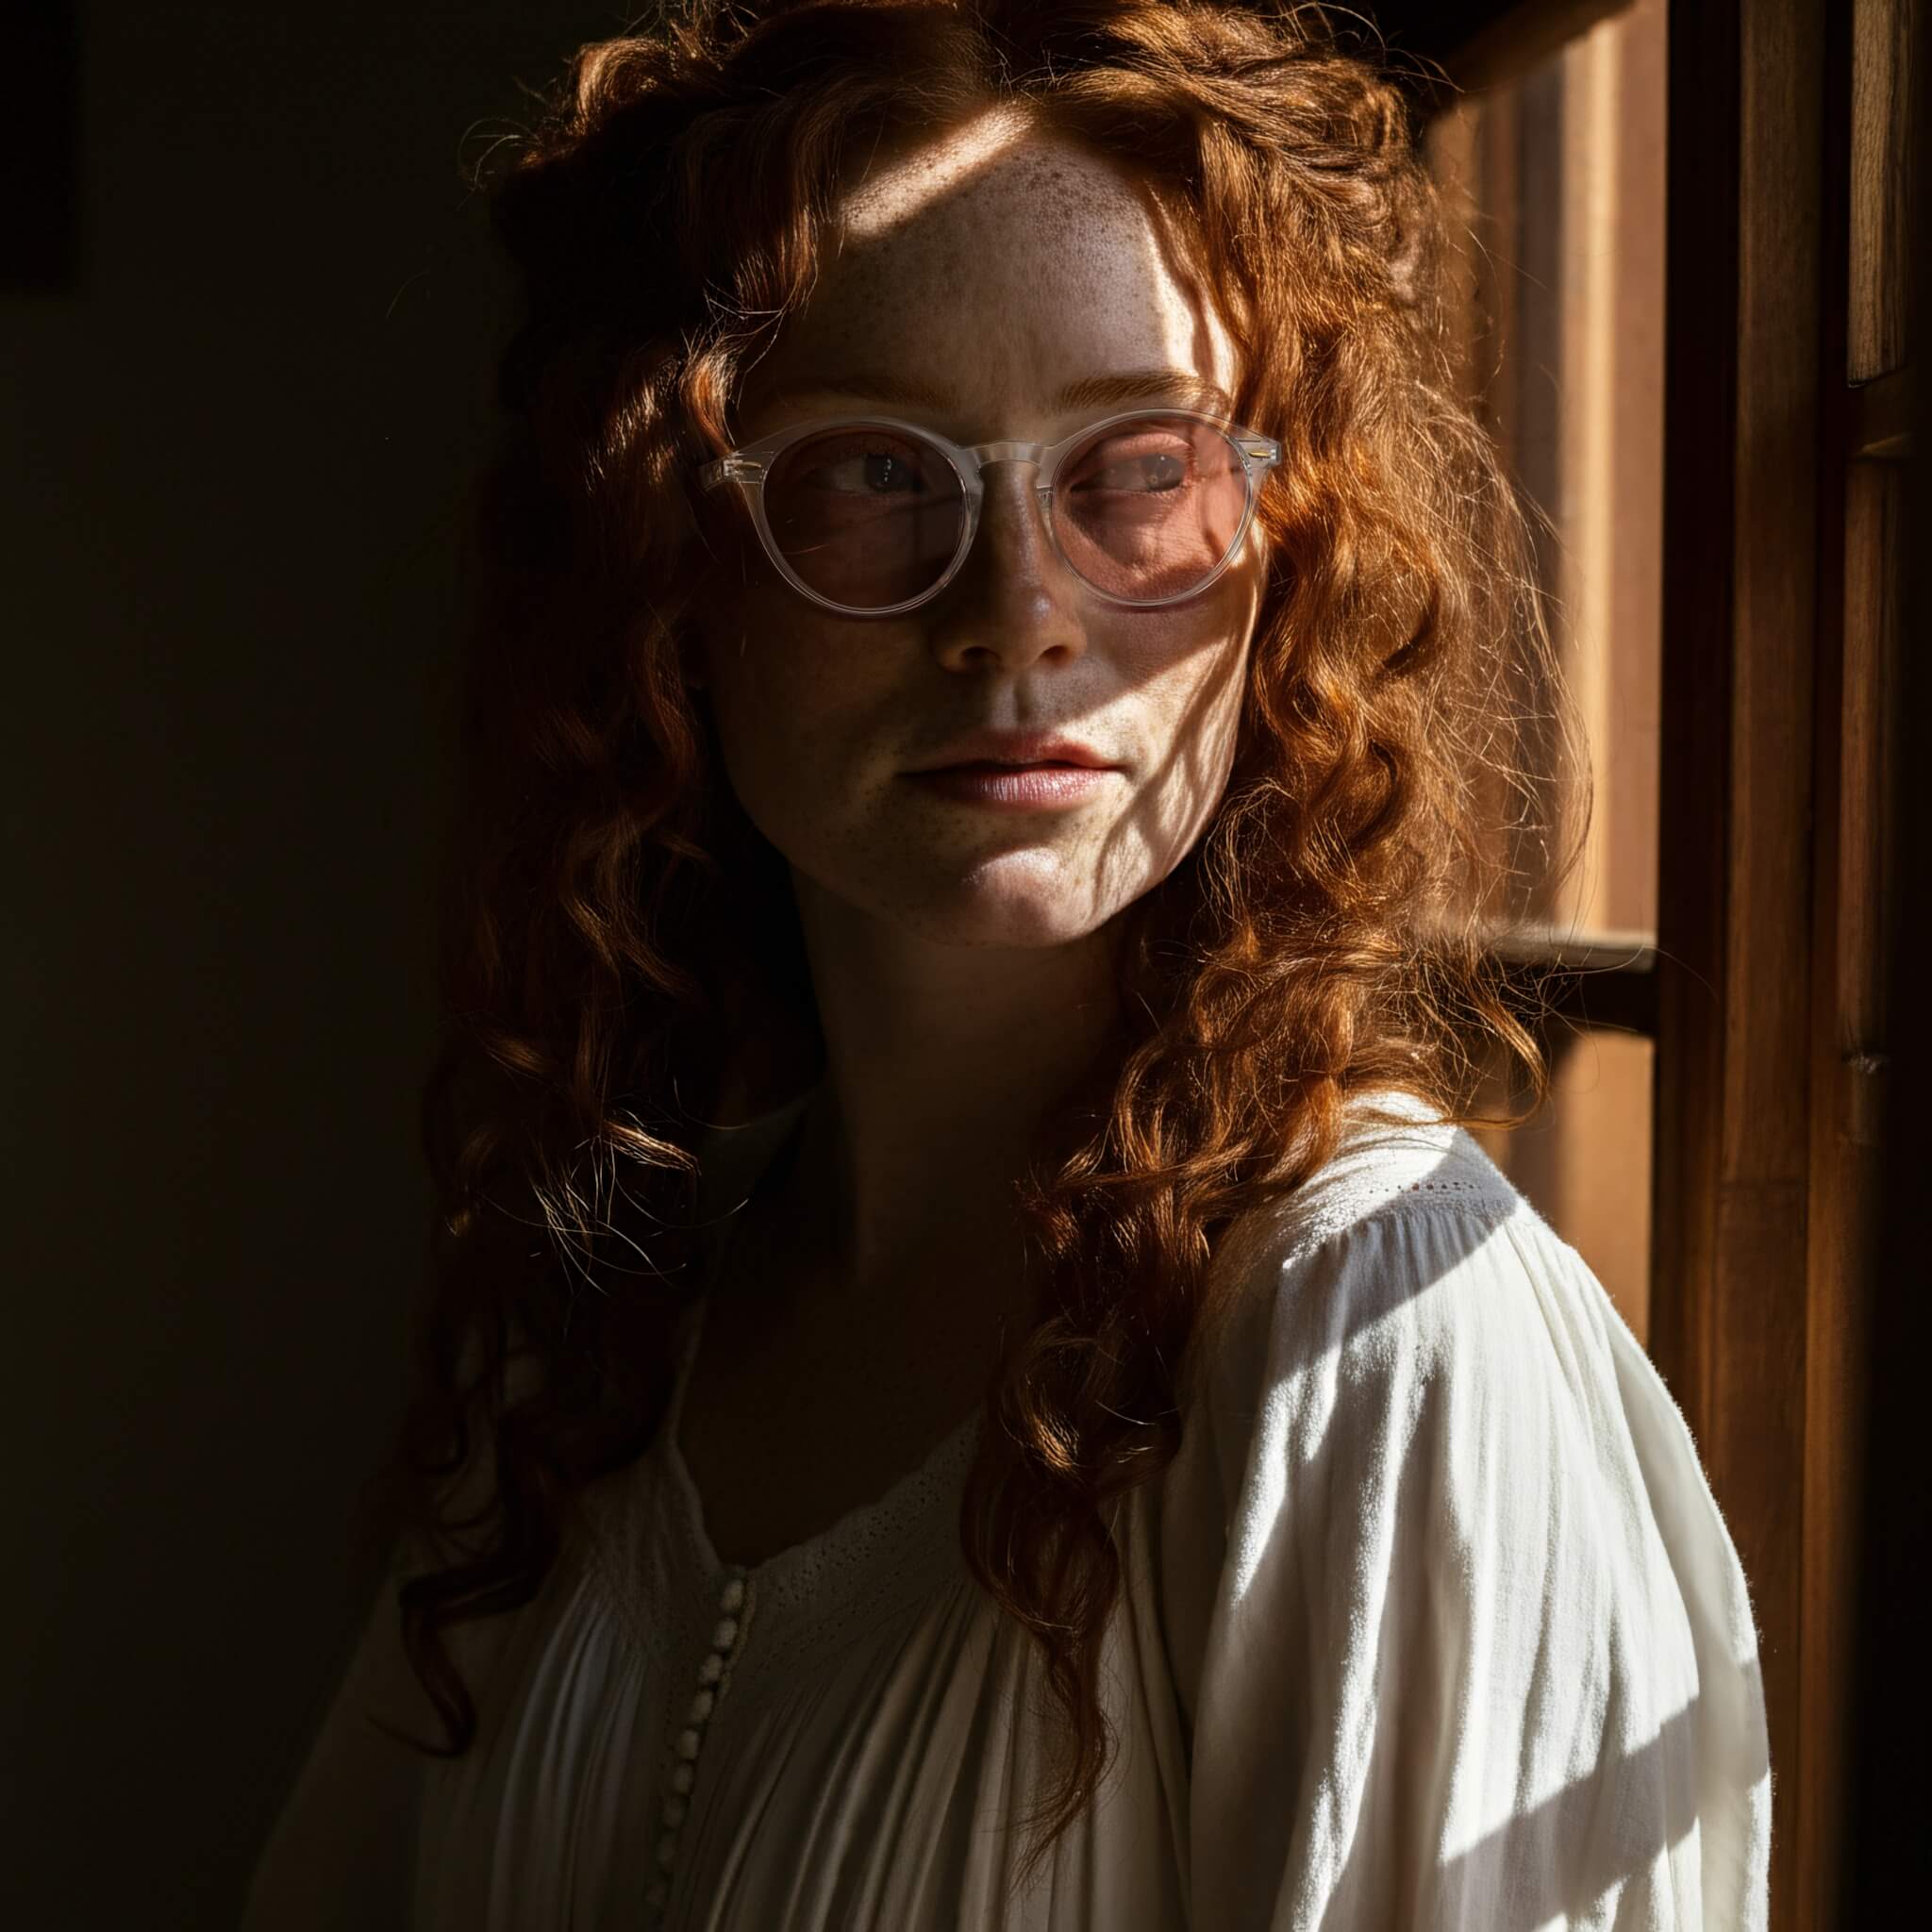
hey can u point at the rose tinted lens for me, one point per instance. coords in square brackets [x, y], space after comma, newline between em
[867, 516]
[1149, 508]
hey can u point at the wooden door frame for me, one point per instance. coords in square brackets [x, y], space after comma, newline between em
[1779, 652]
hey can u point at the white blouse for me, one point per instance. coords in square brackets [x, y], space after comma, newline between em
[1433, 1622]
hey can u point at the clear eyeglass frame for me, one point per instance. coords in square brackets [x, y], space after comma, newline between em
[748, 466]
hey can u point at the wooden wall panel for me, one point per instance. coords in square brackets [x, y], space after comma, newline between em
[1860, 729]
[1864, 324]
[1879, 294]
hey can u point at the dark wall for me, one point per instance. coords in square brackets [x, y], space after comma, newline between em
[238, 414]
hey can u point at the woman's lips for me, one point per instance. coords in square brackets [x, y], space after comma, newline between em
[1015, 788]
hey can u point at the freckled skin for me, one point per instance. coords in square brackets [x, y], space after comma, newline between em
[1006, 263]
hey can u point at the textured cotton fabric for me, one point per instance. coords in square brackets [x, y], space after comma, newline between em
[1433, 1622]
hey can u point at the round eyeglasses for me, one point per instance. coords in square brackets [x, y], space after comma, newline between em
[870, 516]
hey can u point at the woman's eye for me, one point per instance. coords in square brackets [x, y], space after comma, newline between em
[1152, 474]
[873, 473]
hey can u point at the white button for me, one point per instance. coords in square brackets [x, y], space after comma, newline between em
[680, 1777]
[700, 1706]
[711, 1669]
[667, 1850]
[687, 1745]
[725, 1635]
[733, 1599]
[674, 1808]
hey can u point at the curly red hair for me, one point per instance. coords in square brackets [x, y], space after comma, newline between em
[622, 950]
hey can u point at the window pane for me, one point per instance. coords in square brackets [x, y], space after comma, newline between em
[1558, 179]
[1585, 1161]
[1556, 184]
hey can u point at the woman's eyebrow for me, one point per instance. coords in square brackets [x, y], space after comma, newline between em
[1177, 386]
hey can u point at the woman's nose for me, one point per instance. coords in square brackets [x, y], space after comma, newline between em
[1015, 599]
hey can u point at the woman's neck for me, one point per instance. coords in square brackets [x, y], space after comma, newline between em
[941, 1064]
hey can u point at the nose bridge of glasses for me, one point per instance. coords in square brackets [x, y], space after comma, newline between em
[1010, 452]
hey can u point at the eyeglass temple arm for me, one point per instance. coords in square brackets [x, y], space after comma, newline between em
[1262, 451]
[734, 467]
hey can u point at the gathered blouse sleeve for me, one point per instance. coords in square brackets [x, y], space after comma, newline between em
[1480, 1652]
[343, 1849]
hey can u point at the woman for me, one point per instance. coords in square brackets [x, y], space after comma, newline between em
[975, 1377]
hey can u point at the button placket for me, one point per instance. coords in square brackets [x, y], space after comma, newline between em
[714, 1673]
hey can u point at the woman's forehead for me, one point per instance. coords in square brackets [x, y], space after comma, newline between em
[984, 171]
[1013, 261]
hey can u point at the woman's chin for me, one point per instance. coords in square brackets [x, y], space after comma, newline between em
[991, 909]
[1014, 900]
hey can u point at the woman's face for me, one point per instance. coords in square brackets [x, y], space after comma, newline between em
[990, 270]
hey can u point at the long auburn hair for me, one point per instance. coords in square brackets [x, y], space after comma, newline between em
[621, 953]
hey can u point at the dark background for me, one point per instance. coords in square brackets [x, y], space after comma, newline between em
[248, 316]
[248, 319]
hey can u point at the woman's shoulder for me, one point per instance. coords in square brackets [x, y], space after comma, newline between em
[1398, 1155]
[1409, 1312]
[1426, 1471]
[1410, 1223]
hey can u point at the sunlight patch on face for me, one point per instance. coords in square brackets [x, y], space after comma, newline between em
[1030, 896]
[893, 192]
